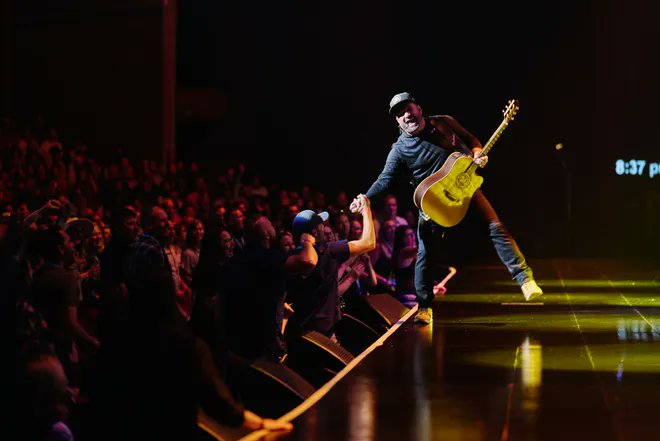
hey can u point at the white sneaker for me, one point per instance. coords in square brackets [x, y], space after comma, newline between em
[424, 315]
[531, 290]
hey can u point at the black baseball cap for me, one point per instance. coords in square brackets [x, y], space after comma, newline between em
[399, 99]
[306, 221]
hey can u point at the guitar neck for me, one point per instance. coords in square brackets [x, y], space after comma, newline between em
[495, 137]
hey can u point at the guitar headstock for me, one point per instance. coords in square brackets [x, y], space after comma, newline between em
[511, 109]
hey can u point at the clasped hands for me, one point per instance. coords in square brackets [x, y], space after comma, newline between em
[359, 204]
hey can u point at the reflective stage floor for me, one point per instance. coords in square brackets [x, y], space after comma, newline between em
[581, 363]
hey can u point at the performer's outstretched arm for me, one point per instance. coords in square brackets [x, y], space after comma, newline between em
[392, 167]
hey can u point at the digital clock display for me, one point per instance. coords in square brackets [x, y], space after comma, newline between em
[637, 167]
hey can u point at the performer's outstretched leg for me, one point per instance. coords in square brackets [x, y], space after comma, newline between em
[507, 249]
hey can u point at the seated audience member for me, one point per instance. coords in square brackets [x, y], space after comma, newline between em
[341, 223]
[181, 229]
[251, 306]
[43, 397]
[357, 278]
[190, 256]
[171, 209]
[216, 251]
[236, 226]
[125, 231]
[100, 238]
[159, 373]
[86, 262]
[355, 231]
[411, 218]
[315, 298]
[173, 253]
[329, 234]
[286, 243]
[289, 213]
[113, 311]
[390, 211]
[342, 201]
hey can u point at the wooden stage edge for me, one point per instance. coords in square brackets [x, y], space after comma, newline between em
[208, 425]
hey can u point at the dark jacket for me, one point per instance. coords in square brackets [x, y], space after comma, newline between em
[415, 157]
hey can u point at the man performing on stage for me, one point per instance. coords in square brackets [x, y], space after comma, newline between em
[421, 150]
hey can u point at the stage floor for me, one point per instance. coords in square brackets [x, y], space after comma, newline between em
[582, 363]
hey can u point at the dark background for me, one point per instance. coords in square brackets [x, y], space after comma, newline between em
[299, 90]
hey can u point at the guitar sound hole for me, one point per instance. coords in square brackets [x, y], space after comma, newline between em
[463, 180]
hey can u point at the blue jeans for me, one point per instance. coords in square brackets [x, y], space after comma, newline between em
[428, 268]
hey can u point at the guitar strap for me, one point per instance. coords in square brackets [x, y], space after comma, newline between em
[452, 143]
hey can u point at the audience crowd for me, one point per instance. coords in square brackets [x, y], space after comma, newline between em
[135, 287]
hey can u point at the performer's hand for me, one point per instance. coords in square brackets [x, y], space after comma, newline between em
[355, 206]
[364, 204]
[480, 160]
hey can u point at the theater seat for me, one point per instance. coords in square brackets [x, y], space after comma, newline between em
[316, 357]
[378, 311]
[270, 389]
[355, 335]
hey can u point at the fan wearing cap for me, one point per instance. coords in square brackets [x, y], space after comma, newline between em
[254, 283]
[424, 144]
[315, 297]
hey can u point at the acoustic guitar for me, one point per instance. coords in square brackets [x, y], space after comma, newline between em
[445, 196]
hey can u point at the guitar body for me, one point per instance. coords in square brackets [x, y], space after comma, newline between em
[445, 195]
